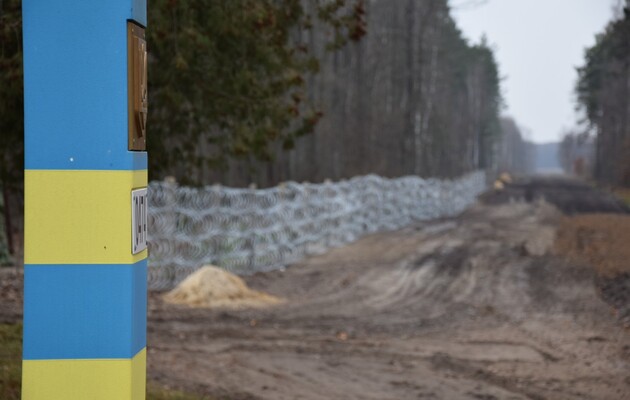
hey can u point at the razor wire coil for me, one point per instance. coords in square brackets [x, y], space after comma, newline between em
[252, 230]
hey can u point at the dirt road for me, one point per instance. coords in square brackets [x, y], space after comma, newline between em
[474, 307]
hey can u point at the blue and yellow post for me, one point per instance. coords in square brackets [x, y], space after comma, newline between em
[85, 190]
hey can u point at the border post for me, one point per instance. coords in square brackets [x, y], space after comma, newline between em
[85, 200]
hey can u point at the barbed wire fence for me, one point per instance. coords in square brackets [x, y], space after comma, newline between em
[251, 230]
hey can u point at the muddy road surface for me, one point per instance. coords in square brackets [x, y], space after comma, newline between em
[473, 307]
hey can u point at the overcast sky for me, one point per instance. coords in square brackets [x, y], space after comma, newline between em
[538, 44]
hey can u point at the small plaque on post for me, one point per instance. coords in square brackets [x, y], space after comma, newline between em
[137, 86]
[139, 210]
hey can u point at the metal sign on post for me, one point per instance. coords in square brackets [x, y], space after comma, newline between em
[85, 255]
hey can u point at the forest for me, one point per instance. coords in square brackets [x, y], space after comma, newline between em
[399, 91]
[603, 96]
[266, 91]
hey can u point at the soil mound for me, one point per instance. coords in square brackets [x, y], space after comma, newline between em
[571, 196]
[212, 287]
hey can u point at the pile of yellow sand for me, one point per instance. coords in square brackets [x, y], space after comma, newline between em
[212, 287]
[503, 180]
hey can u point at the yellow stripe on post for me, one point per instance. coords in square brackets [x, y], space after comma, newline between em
[67, 220]
[85, 294]
[102, 379]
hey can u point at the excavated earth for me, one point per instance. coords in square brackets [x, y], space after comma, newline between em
[481, 306]
[473, 307]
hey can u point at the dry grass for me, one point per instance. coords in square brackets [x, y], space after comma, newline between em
[602, 240]
[10, 361]
[623, 194]
[11, 369]
[157, 393]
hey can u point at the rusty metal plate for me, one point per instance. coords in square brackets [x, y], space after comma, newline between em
[137, 86]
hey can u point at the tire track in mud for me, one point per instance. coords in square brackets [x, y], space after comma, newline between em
[470, 308]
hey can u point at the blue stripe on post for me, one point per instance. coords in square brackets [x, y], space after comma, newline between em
[84, 311]
[139, 12]
[75, 84]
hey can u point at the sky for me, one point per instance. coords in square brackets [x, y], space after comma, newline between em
[538, 45]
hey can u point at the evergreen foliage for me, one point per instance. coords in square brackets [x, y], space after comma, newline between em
[237, 86]
[603, 95]
[412, 97]
[227, 78]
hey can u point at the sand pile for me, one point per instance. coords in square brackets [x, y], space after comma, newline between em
[212, 287]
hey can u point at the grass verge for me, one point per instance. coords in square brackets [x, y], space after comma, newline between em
[623, 194]
[10, 361]
[157, 393]
[11, 369]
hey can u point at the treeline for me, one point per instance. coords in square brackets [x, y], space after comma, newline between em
[411, 97]
[11, 128]
[515, 154]
[576, 153]
[603, 93]
[264, 91]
